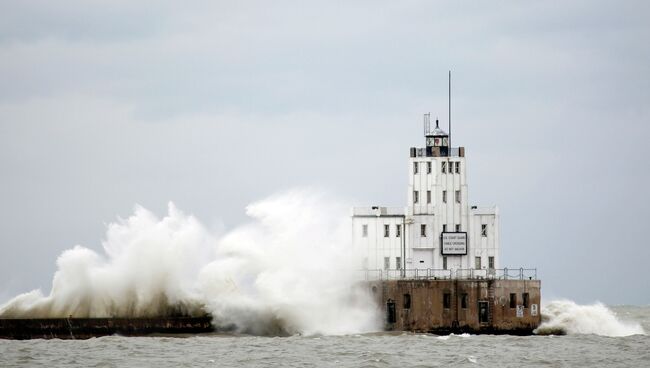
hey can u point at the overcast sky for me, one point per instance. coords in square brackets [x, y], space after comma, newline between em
[215, 104]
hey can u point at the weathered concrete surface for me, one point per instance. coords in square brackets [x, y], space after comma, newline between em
[487, 307]
[84, 328]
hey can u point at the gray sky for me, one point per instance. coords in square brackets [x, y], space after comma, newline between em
[216, 104]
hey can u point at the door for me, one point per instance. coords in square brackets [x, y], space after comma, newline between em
[391, 316]
[483, 312]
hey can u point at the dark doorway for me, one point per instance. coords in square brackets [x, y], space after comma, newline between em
[390, 312]
[483, 312]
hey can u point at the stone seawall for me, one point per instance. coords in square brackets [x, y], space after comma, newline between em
[84, 328]
[458, 306]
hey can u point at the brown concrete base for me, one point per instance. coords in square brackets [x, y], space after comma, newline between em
[84, 328]
[460, 306]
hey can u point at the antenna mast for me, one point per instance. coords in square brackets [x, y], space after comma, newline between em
[450, 147]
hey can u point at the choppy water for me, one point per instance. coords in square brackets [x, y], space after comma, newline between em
[368, 350]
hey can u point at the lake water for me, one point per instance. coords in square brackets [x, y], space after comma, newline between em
[364, 350]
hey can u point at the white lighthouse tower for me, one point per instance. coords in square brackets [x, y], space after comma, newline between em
[438, 233]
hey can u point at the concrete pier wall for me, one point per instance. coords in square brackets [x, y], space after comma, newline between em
[446, 306]
[84, 328]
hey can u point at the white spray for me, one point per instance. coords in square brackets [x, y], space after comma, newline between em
[567, 317]
[291, 270]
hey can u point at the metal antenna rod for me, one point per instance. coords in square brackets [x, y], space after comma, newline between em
[449, 112]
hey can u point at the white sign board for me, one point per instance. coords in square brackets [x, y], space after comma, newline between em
[520, 311]
[453, 244]
[533, 310]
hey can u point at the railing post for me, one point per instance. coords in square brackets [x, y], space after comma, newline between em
[521, 273]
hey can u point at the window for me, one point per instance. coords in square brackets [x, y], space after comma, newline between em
[415, 168]
[386, 231]
[398, 231]
[407, 301]
[415, 196]
[398, 263]
[444, 228]
[458, 196]
[364, 230]
[491, 262]
[484, 230]
[444, 166]
[446, 300]
[429, 167]
[457, 228]
[458, 167]
[423, 230]
[477, 263]
[386, 263]
[444, 196]
[428, 196]
[525, 299]
[444, 263]
[463, 300]
[513, 300]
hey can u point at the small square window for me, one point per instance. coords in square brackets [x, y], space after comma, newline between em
[444, 196]
[491, 262]
[423, 230]
[444, 263]
[457, 228]
[428, 167]
[386, 231]
[513, 300]
[398, 263]
[457, 167]
[428, 196]
[483, 230]
[477, 263]
[364, 230]
[444, 166]
[463, 300]
[525, 299]
[386, 263]
[458, 196]
[416, 196]
[444, 228]
[415, 168]
[398, 231]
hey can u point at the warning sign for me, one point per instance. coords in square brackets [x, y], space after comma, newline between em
[453, 243]
[520, 311]
[533, 310]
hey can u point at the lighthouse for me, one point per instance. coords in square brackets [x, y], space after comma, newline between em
[433, 264]
[439, 231]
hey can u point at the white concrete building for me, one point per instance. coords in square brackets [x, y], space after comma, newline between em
[438, 233]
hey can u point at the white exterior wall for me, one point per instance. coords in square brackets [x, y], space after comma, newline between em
[438, 212]
[424, 252]
[375, 245]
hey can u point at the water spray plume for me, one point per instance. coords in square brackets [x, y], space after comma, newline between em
[566, 317]
[290, 270]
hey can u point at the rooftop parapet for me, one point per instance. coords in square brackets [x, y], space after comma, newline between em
[377, 211]
[484, 210]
